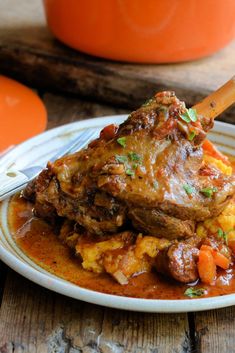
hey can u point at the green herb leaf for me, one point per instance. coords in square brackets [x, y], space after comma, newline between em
[121, 159]
[192, 292]
[223, 235]
[135, 165]
[189, 115]
[134, 157]
[185, 117]
[208, 192]
[122, 141]
[189, 189]
[192, 114]
[191, 135]
[130, 172]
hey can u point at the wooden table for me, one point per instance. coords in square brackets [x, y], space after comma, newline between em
[36, 320]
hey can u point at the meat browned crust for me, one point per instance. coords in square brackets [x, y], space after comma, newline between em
[143, 174]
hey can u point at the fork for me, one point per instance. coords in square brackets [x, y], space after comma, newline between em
[12, 181]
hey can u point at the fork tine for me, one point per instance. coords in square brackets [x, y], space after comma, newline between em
[84, 142]
[31, 172]
[69, 146]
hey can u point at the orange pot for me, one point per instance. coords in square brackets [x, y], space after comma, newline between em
[150, 31]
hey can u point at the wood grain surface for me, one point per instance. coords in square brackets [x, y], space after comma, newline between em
[36, 320]
[30, 53]
[214, 331]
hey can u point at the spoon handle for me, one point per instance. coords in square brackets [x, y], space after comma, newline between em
[218, 101]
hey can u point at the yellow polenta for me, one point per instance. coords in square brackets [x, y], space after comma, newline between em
[226, 220]
[226, 169]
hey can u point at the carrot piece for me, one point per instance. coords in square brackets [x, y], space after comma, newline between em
[206, 267]
[210, 148]
[221, 260]
[207, 247]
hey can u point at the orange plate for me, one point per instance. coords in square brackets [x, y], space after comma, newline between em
[22, 113]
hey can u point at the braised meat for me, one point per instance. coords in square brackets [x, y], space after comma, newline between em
[149, 172]
[179, 261]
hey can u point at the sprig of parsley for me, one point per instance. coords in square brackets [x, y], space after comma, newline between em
[192, 292]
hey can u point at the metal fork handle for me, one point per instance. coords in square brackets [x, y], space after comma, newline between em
[87, 134]
[11, 182]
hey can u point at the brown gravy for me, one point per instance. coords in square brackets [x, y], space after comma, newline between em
[38, 240]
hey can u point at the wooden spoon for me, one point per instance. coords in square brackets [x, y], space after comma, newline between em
[218, 101]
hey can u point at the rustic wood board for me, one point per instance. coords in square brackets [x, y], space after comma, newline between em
[214, 330]
[29, 53]
[35, 320]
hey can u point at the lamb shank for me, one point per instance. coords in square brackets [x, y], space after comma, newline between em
[148, 174]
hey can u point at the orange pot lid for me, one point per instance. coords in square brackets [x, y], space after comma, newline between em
[22, 113]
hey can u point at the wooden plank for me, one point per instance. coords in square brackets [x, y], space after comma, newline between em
[214, 331]
[36, 320]
[3, 273]
[30, 53]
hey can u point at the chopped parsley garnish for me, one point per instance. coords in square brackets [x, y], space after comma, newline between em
[134, 157]
[223, 235]
[130, 172]
[188, 188]
[191, 135]
[208, 192]
[121, 159]
[135, 165]
[192, 292]
[126, 160]
[220, 233]
[122, 141]
[189, 115]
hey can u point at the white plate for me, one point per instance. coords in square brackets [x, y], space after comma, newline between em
[39, 149]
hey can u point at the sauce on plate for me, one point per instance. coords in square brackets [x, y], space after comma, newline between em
[39, 241]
